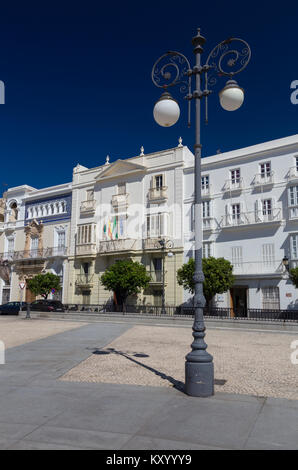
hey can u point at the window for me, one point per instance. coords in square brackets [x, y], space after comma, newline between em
[235, 212]
[207, 249]
[270, 297]
[86, 234]
[237, 255]
[121, 188]
[158, 181]
[294, 246]
[235, 176]
[293, 196]
[61, 239]
[90, 194]
[34, 244]
[206, 209]
[267, 206]
[157, 225]
[10, 244]
[205, 182]
[157, 269]
[296, 161]
[268, 256]
[265, 169]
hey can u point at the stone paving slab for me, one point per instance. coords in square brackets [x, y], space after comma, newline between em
[40, 412]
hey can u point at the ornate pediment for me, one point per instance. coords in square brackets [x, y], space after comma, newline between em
[120, 168]
[34, 228]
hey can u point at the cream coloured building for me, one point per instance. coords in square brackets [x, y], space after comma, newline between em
[121, 210]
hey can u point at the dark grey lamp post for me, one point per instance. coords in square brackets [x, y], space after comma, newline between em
[227, 59]
[285, 262]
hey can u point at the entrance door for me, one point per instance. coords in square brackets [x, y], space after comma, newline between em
[30, 297]
[238, 301]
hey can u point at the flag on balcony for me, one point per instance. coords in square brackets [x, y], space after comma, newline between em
[115, 231]
[110, 234]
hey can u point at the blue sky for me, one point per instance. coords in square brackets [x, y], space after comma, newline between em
[78, 80]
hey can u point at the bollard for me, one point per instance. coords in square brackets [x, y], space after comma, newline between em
[28, 312]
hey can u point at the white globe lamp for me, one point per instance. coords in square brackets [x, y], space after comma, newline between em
[166, 111]
[231, 96]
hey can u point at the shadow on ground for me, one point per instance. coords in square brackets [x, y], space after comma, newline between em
[177, 384]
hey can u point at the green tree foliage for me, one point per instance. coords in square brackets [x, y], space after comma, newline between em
[125, 278]
[42, 284]
[294, 276]
[218, 273]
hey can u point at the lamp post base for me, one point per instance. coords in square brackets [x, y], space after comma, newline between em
[199, 379]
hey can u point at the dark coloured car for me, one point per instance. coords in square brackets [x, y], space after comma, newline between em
[12, 308]
[47, 306]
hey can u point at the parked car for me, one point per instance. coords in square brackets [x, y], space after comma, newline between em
[12, 308]
[47, 306]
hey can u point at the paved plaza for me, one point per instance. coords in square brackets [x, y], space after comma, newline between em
[55, 390]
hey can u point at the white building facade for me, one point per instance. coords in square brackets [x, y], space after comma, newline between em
[250, 217]
[122, 209]
[34, 239]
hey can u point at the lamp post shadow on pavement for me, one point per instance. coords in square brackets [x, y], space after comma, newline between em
[227, 59]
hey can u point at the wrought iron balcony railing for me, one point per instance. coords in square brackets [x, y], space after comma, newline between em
[112, 246]
[208, 223]
[263, 179]
[84, 280]
[258, 267]
[233, 185]
[250, 218]
[292, 174]
[156, 277]
[43, 253]
[120, 200]
[158, 193]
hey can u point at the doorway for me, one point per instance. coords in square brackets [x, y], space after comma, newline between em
[30, 297]
[238, 301]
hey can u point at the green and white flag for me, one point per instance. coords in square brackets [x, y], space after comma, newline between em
[114, 230]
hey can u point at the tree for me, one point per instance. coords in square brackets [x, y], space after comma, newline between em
[218, 273]
[294, 276]
[43, 284]
[125, 278]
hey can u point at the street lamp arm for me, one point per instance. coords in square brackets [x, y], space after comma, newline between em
[228, 58]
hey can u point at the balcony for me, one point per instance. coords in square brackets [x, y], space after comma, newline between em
[84, 280]
[292, 175]
[86, 249]
[263, 179]
[252, 218]
[57, 252]
[120, 201]
[88, 207]
[152, 243]
[38, 254]
[256, 268]
[233, 185]
[9, 225]
[110, 247]
[158, 194]
[208, 224]
[206, 191]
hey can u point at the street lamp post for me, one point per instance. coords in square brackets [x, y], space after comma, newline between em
[227, 59]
